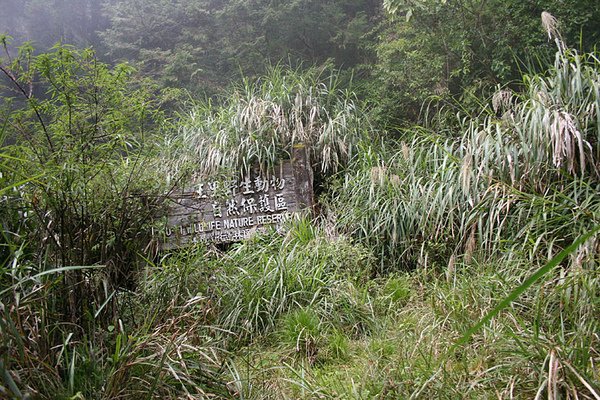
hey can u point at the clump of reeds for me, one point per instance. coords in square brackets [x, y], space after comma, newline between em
[260, 121]
[526, 180]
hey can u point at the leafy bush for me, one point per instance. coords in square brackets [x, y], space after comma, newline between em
[78, 196]
[83, 143]
[453, 53]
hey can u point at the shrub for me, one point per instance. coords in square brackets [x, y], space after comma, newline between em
[78, 194]
[83, 144]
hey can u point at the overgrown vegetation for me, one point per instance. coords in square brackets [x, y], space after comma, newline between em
[261, 121]
[78, 198]
[504, 184]
[416, 240]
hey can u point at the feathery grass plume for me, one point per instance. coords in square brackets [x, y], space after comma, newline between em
[550, 25]
[261, 120]
[502, 99]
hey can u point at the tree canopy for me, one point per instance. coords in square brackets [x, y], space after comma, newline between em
[203, 44]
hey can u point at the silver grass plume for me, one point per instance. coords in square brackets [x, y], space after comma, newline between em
[551, 24]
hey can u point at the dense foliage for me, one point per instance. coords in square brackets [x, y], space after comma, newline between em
[460, 50]
[202, 44]
[455, 149]
[259, 122]
[401, 51]
[511, 174]
[77, 195]
[82, 146]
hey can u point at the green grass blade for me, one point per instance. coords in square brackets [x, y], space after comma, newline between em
[20, 183]
[51, 271]
[8, 380]
[525, 285]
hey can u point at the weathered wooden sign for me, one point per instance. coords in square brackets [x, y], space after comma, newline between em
[224, 211]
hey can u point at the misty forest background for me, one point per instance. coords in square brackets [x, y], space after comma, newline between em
[453, 250]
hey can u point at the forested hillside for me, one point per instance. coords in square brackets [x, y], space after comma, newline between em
[451, 250]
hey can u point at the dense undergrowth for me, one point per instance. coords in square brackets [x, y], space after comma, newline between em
[398, 330]
[300, 317]
[521, 177]
[418, 240]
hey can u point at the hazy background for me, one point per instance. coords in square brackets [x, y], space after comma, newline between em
[446, 50]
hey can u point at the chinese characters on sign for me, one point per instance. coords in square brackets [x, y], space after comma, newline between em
[213, 211]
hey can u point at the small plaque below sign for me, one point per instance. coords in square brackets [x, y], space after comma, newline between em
[213, 211]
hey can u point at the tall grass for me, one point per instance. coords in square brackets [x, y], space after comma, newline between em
[261, 120]
[264, 279]
[522, 176]
[156, 345]
[535, 347]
